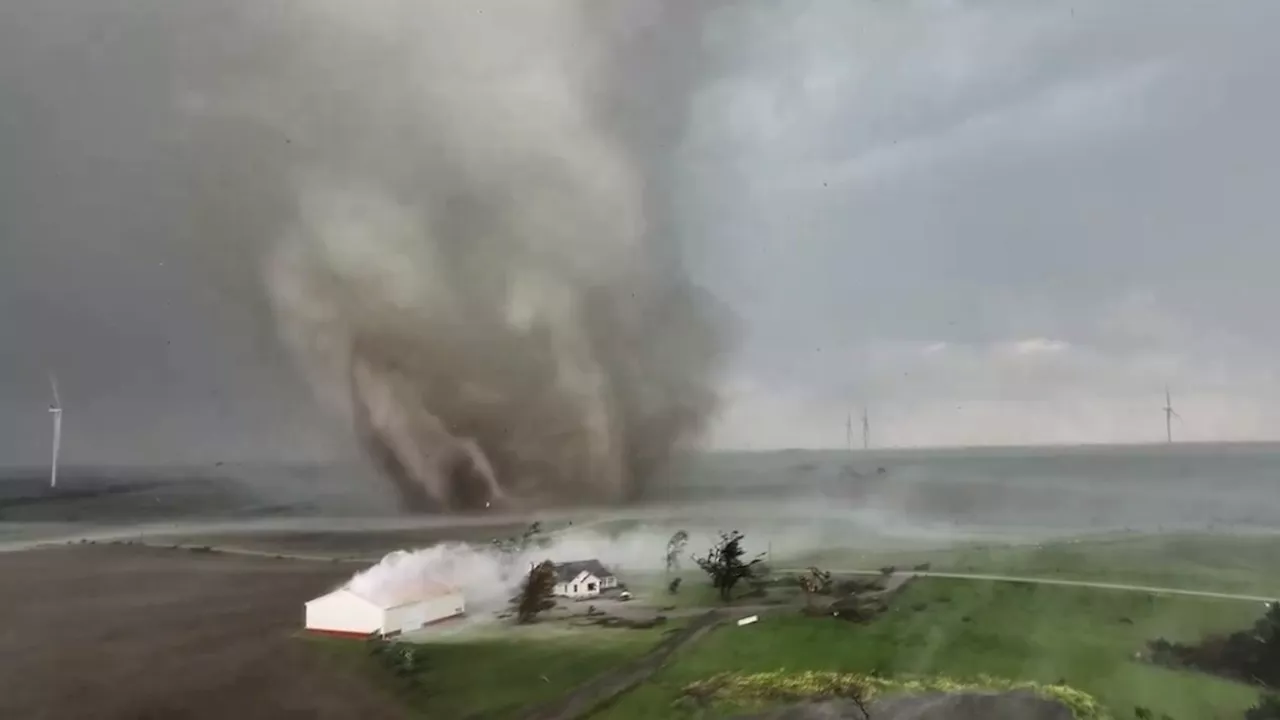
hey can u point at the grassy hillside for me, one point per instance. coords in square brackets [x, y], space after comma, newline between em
[962, 629]
[1248, 565]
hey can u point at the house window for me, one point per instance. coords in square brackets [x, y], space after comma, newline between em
[591, 587]
[575, 587]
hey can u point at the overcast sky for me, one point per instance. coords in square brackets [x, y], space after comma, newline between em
[991, 222]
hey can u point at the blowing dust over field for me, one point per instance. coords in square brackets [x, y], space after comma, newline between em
[480, 270]
[488, 577]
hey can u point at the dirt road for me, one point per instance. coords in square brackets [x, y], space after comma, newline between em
[133, 633]
[1053, 581]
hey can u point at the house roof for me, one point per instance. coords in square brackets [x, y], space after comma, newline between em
[399, 596]
[569, 570]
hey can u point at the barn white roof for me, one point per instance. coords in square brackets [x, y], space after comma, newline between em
[398, 595]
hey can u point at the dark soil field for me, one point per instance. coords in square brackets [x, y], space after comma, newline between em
[370, 544]
[134, 633]
[125, 495]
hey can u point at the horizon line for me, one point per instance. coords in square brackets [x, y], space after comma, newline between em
[356, 461]
[997, 446]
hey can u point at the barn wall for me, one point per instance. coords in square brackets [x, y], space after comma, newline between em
[411, 617]
[340, 634]
[343, 612]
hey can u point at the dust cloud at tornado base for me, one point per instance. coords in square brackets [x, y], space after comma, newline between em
[472, 255]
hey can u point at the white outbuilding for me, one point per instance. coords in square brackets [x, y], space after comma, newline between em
[346, 613]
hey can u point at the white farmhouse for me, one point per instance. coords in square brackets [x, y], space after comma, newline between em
[345, 613]
[583, 579]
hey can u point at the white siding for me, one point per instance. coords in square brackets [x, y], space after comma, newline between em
[342, 611]
[584, 586]
[413, 616]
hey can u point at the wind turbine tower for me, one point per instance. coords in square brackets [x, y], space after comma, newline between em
[56, 410]
[1169, 415]
[866, 429]
[848, 431]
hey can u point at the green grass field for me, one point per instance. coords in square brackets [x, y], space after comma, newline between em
[694, 592]
[498, 679]
[962, 629]
[1230, 564]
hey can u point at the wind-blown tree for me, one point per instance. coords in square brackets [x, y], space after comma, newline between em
[512, 547]
[822, 583]
[814, 582]
[725, 565]
[675, 549]
[538, 592]
[805, 581]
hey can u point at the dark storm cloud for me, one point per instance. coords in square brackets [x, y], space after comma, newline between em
[163, 145]
[891, 196]
[99, 280]
[973, 175]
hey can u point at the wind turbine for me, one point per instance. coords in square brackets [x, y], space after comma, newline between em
[56, 410]
[1169, 415]
[866, 429]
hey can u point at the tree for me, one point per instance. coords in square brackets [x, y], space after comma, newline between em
[814, 582]
[673, 587]
[725, 566]
[538, 592]
[822, 583]
[805, 581]
[675, 548]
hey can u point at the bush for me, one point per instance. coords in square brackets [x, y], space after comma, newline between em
[1251, 656]
[1268, 708]
[765, 689]
[405, 662]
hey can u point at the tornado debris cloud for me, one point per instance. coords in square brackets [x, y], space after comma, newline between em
[481, 270]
